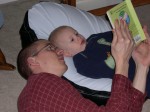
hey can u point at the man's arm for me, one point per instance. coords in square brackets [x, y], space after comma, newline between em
[118, 102]
[141, 56]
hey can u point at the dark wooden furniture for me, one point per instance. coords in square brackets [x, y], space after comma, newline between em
[3, 64]
[102, 11]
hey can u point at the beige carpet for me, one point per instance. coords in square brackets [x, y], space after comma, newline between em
[11, 83]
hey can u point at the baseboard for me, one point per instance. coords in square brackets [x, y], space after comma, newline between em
[6, 1]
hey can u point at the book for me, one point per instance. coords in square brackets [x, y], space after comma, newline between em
[126, 11]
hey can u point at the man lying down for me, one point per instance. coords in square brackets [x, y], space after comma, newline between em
[44, 17]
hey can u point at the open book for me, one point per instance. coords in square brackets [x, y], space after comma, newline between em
[126, 11]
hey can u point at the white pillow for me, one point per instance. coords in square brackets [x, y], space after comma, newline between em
[44, 17]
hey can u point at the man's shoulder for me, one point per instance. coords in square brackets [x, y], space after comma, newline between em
[42, 84]
[44, 79]
[48, 80]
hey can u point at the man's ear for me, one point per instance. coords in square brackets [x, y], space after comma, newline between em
[32, 61]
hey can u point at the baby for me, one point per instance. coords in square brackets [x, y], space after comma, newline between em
[92, 57]
[68, 39]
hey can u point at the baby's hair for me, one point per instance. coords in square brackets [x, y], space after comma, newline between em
[54, 34]
[57, 31]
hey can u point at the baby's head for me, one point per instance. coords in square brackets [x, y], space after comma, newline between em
[68, 40]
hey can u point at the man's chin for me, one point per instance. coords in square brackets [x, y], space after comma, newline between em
[65, 68]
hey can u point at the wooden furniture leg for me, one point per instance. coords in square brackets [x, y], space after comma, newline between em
[3, 64]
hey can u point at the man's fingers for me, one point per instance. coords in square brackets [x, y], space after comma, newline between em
[146, 34]
[125, 30]
[114, 37]
[118, 31]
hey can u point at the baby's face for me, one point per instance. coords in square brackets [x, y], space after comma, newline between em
[72, 41]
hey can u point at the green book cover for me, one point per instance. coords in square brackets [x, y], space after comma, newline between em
[126, 11]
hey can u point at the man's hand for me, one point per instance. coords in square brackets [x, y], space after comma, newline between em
[141, 54]
[122, 47]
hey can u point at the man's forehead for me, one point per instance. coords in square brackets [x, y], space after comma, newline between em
[42, 43]
[41, 46]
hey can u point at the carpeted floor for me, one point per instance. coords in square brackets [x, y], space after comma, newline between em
[11, 83]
